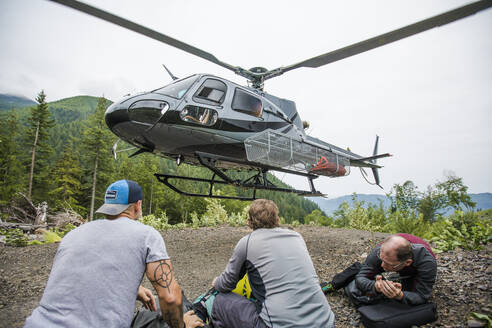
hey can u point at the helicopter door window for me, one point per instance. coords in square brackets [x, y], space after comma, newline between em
[199, 115]
[211, 92]
[247, 103]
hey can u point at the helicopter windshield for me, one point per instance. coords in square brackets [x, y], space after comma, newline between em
[178, 88]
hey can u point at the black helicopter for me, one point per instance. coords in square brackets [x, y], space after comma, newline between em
[210, 121]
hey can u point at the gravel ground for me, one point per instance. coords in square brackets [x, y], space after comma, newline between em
[463, 283]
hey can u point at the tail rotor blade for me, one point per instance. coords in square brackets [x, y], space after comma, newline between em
[375, 171]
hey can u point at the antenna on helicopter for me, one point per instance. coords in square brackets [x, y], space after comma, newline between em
[169, 72]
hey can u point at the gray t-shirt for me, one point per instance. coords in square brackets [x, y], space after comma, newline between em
[282, 279]
[96, 273]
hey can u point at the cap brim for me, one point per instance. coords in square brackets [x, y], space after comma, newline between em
[112, 209]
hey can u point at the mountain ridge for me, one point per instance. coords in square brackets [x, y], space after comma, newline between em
[10, 101]
[483, 200]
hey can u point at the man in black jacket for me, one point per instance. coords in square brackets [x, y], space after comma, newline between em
[413, 267]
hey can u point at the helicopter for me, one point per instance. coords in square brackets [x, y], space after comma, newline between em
[212, 122]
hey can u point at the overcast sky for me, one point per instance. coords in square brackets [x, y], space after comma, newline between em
[429, 97]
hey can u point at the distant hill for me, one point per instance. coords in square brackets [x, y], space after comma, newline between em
[483, 200]
[73, 109]
[70, 115]
[330, 205]
[8, 102]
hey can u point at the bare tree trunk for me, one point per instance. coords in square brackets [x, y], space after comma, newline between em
[41, 211]
[151, 192]
[94, 179]
[32, 161]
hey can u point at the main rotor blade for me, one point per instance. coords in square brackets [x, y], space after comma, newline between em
[104, 15]
[386, 38]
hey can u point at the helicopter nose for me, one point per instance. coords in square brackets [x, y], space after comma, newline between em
[116, 113]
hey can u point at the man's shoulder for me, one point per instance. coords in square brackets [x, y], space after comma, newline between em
[421, 254]
[277, 230]
[123, 223]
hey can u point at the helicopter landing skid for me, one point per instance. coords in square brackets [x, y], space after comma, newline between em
[256, 182]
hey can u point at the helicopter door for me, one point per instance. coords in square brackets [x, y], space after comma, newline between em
[211, 94]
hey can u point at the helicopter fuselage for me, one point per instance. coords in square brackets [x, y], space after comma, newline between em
[200, 113]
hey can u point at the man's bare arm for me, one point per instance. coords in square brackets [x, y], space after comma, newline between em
[161, 275]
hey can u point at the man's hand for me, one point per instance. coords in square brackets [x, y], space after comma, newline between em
[191, 320]
[145, 296]
[388, 288]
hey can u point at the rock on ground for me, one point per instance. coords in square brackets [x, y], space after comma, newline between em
[198, 255]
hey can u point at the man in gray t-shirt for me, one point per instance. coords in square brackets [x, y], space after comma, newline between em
[98, 267]
[281, 274]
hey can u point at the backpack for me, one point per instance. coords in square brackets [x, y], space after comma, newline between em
[393, 314]
[343, 278]
[203, 304]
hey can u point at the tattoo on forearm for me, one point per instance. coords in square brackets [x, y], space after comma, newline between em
[163, 275]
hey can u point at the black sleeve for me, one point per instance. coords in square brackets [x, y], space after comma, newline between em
[424, 281]
[366, 278]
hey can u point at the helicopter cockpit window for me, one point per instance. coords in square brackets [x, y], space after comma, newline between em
[147, 111]
[247, 103]
[199, 115]
[178, 88]
[211, 92]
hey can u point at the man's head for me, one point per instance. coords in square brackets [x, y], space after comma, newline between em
[395, 253]
[263, 213]
[122, 198]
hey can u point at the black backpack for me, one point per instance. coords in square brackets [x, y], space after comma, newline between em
[393, 314]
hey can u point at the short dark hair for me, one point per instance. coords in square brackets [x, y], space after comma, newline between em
[263, 213]
[404, 252]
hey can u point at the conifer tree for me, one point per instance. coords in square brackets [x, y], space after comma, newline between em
[97, 141]
[67, 181]
[39, 124]
[10, 164]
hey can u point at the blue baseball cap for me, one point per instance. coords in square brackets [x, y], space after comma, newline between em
[119, 196]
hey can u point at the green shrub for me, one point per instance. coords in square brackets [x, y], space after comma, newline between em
[295, 224]
[66, 229]
[316, 217]
[160, 223]
[341, 215]
[195, 220]
[465, 230]
[61, 232]
[401, 222]
[15, 237]
[214, 215]
[178, 226]
[359, 217]
[238, 219]
[51, 237]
